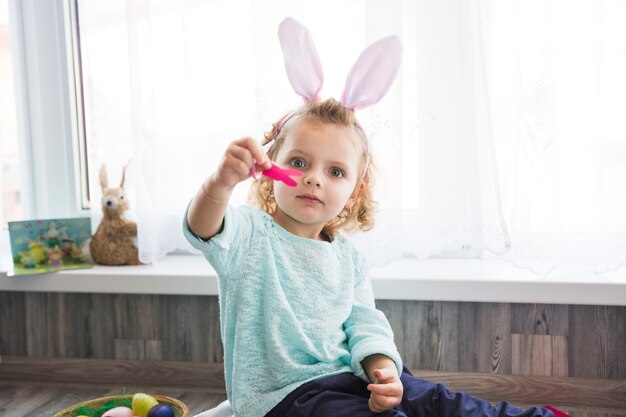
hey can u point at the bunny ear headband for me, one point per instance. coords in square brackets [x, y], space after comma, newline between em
[367, 83]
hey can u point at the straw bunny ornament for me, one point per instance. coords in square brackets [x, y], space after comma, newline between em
[113, 242]
[367, 83]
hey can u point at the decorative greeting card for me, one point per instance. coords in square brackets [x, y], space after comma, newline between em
[43, 246]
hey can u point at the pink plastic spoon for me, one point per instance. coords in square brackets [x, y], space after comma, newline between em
[279, 174]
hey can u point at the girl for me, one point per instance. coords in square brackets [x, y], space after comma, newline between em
[301, 333]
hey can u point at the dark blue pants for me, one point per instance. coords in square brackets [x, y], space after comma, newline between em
[346, 395]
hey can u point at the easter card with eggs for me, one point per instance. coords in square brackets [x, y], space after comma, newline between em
[43, 246]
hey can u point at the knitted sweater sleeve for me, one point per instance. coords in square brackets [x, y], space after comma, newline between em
[367, 328]
[222, 249]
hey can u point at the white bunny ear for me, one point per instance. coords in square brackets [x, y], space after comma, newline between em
[301, 60]
[372, 73]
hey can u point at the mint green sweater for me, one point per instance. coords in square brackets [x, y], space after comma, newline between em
[292, 310]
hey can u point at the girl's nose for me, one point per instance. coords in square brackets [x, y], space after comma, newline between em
[312, 179]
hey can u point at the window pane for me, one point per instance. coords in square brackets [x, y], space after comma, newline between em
[79, 103]
[103, 82]
[559, 97]
[10, 204]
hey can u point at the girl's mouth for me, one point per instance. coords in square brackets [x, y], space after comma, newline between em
[310, 198]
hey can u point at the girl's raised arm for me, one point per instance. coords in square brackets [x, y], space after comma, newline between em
[207, 209]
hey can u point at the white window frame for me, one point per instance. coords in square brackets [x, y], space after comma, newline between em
[41, 42]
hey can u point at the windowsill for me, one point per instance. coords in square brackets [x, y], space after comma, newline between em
[436, 280]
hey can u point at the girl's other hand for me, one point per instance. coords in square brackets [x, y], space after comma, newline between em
[386, 391]
[237, 162]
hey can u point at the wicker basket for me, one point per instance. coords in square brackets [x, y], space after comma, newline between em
[180, 409]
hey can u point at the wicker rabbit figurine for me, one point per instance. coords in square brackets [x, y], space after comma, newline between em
[113, 242]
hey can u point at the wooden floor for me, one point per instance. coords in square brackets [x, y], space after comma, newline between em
[40, 387]
[44, 400]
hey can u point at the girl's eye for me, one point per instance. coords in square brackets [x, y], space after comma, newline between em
[336, 172]
[297, 163]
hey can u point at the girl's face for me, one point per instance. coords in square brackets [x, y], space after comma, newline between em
[328, 156]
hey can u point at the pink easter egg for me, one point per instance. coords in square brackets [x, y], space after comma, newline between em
[119, 412]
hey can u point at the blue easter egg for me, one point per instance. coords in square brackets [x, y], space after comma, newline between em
[161, 410]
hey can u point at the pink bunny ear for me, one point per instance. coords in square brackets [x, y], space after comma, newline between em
[301, 60]
[372, 74]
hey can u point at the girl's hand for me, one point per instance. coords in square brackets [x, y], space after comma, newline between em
[238, 160]
[386, 391]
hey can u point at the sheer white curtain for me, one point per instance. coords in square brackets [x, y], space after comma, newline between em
[558, 104]
[501, 137]
[441, 171]
[514, 140]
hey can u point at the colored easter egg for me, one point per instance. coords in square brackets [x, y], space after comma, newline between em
[161, 410]
[119, 412]
[142, 403]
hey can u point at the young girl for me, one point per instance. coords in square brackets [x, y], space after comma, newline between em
[301, 333]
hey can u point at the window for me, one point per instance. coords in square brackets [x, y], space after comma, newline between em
[75, 70]
[43, 109]
[10, 204]
[503, 124]
[559, 97]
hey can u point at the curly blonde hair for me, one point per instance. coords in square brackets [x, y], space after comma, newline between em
[361, 214]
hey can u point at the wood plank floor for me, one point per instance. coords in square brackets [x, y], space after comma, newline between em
[43, 400]
[38, 387]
